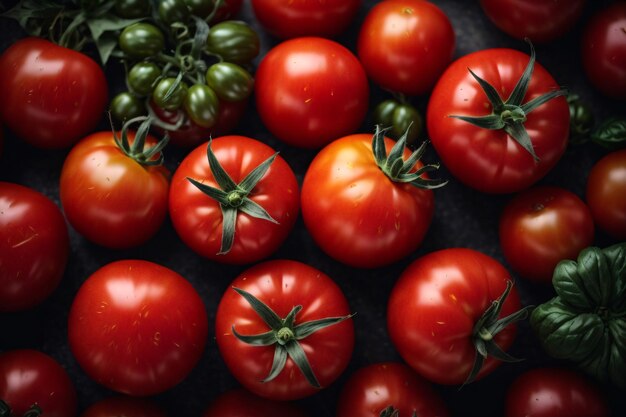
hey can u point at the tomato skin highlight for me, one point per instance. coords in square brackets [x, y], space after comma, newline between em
[541, 227]
[142, 316]
[241, 403]
[606, 193]
[34, 247]
[53, 96]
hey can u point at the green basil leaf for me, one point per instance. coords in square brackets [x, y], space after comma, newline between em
[611, 134]
[616, 255]
[617, 360]
[598, 361]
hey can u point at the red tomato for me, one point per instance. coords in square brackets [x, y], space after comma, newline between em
[198, 220]
[606, 193]
[310, 91]
[108, 196]
[405, 45]
[433, 309]
[281, 285]
[241, 403]
[34, 247]
[539, 20]
[491, 160]
[123, 407]
[374, 388]
[604, 50]
[142, 317]
[549, 392]
[542, 226]
[52, 96]
[30, 378]
[290, 19]
[355, 213]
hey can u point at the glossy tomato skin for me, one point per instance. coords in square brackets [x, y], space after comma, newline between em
[538, 20]
[110, 198]
[604, 50]
[433, 308]
[29, 377]
[242, 403]
[405, 45]
[541, 227]
[142, 316]
[490, 160]
[197, 218]
[34, 247]
[310, 91]
[283, 284]
[123, 407]
[553, 392]
[606, 193]
[53, 96]
[355, 213]
[288, 19]
[375, 387]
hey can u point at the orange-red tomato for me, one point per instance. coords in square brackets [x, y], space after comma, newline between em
[606, 193]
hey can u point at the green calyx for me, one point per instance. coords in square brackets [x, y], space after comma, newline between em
[399, 170]
[284, 335]
[391, 411]
[511, 114]
[233, 197]
[137, 150]
[33, 411]
[486, 329]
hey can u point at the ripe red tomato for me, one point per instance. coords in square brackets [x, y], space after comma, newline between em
[110, 197]
[372, 389]
[540, 21]
[30, 379]
[546, 392]
[290, 19]
[606, 193]
[310, 91]
[34, 246]
[355, 212]
[405, 45]
[434, 308]
[198, 219]
[604, 50]
[144, 318]
[52, 96]
[283, 285]
[541, 227]
[492, 160]
[241, 403]
[123, 407]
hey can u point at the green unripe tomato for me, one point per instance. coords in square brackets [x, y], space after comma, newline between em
[171, 11]
[131, 9]
[141, 40]
[175, 99]
[234, 41]
[201, 8]
[202, 105]
[142, 76]
[398, 116]
[126, 106]
[230, 81]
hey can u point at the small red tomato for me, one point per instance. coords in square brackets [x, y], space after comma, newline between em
[606, 193]
[241, 403]
[31, 380]
[123, 407]
[137, 327]
[547, 392]
[541, 227]
[34, 247]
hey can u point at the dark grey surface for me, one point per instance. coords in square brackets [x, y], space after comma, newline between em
[464, 218]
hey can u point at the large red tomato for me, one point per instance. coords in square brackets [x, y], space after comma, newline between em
[604, 50]
[123, 407]
[31, 380]
[241, 403]
[441, 310]
[541, 227]
[290, 19]
[606, 193]
[538, 20]
[199, 219]
[137, 327]
[282, 302]
[52, 96]
[389, 386]
[498, 160]
[547, 392]
[34, 246]
[310, 91]
[111, 195]
[405, 45]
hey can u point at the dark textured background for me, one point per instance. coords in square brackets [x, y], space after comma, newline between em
[464, 218]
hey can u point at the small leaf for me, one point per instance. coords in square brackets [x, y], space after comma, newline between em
[617, 358]
[278, 364]
[212, 192]
[491, 121]
[221, 176]
[302, 362]
[255, 210]
[491, 93]
[378, 146]
[308, 328]
[254, 176]
[518, 93]
[611, 134]
[229, 221]
[518, 132]
[291, 317]
[263, 339]
[538, 101]
[268, 316]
